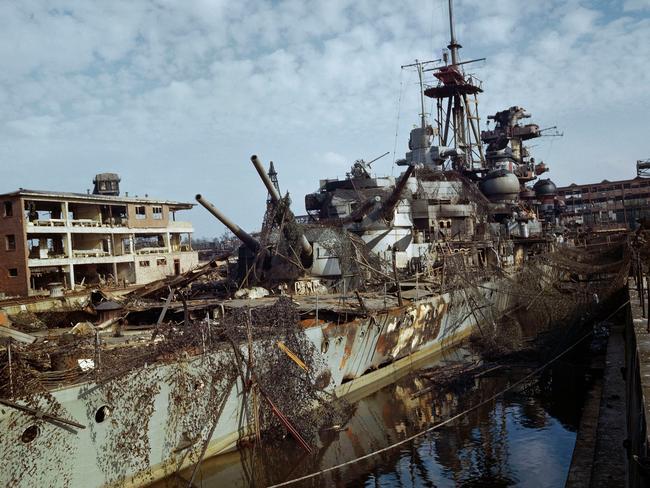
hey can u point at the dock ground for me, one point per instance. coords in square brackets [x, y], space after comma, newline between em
[612, 441]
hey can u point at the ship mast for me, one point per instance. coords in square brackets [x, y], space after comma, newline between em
[458, 120]
[420, 76]
[453, 45]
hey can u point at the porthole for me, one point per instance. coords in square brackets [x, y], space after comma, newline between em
[324, 347]
[102, 414]
[30, 433]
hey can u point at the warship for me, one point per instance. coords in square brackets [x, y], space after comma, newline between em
[381, 273]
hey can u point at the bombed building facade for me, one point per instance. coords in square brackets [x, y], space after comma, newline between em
[53, 240]
[608, 204]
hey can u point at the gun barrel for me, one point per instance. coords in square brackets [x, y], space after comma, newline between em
[393, 199]
[363, 210]
[275, 197]
[243, 236]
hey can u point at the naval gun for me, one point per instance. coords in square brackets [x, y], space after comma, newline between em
[305, 247]
[249, 241]
[388, 207]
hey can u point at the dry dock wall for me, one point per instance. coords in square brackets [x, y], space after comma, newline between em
[637, 380]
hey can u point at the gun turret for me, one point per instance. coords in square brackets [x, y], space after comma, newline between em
[363, 210]
[389, 205]
[250, 242]
[307, 249]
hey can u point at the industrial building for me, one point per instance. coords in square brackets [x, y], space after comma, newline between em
[55, 239]
[608, 204]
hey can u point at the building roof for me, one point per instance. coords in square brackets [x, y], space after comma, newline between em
[604, 182]
[106, 199]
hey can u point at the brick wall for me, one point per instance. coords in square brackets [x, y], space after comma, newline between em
[11, 260]
[148, 221]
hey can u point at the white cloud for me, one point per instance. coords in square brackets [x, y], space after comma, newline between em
[634, 5]
[334, 159]
[177, 96]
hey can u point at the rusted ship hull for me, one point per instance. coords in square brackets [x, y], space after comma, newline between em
[154, 421]
[138, 426]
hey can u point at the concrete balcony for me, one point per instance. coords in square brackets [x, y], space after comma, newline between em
[88, 253]
[49, 223]
[98, 229]
[152, 250]
[64, 261]
[180, 224]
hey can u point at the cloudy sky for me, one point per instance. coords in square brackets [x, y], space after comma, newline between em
[176, 95]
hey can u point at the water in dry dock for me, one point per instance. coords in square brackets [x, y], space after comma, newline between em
[523, 438]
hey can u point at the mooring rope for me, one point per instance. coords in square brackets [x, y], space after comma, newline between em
[450, 419]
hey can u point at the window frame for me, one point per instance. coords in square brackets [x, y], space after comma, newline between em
[138, 215]
[10, 242]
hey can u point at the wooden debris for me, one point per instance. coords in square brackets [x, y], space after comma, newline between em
[16, 335]
[292, 356]
[54, 419]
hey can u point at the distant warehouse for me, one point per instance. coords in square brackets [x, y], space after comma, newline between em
[50, 238]
[607, 204]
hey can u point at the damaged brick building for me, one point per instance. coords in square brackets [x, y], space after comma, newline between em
[608, 204]
[53, 239]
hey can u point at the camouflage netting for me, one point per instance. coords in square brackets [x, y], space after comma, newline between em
[298, 393]
[280, 261]
[470, 190]
[359, 267]
[198, 364]
[562, 287]
[279, 247]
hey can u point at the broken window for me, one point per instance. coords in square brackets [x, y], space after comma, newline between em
[149, 242]
[157, 213]
[144, 264]
[126, 246]
[8, 209]
[161, 262]
[10, 242]
[34, 246]
[13, 272]
[140, 212]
